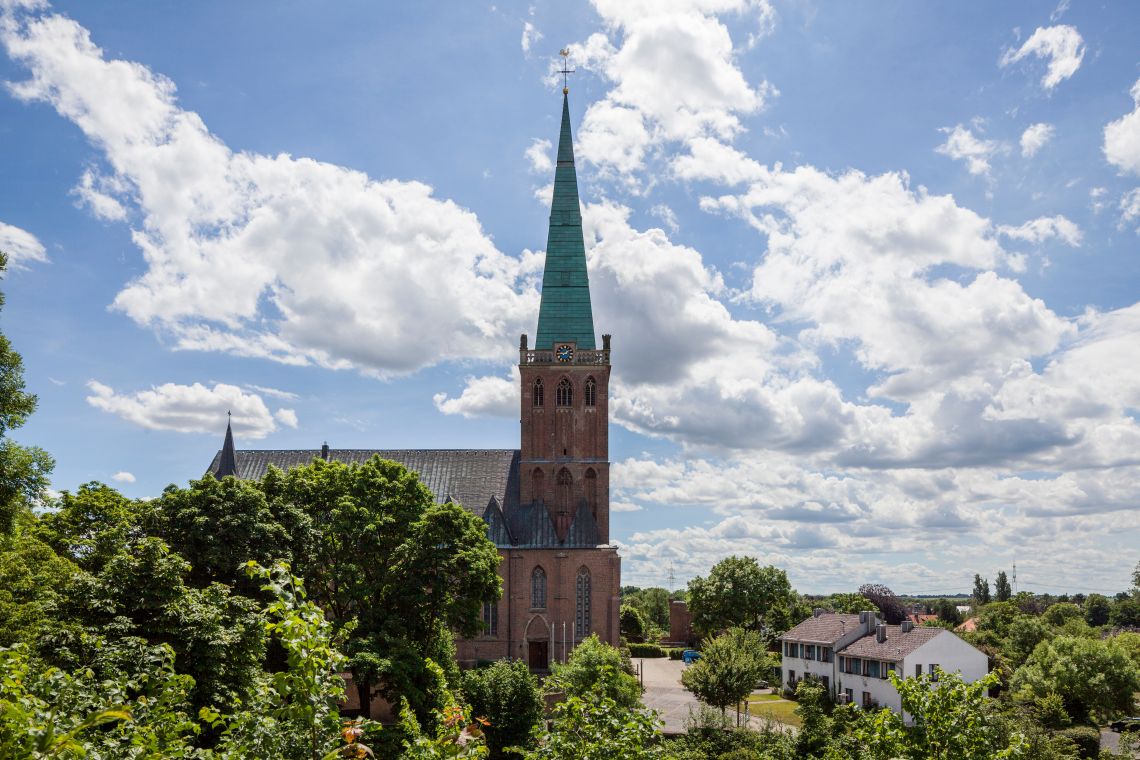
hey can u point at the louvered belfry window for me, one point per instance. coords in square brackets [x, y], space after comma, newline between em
[537, 397]
[591, 392]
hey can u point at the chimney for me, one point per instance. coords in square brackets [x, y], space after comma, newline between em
[868, 619]
[325, 451]
[881, 632]
[907, 626]
[817, 612]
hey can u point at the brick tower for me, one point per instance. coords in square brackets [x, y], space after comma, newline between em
[564, 451]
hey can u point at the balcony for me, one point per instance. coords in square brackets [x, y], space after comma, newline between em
[582, 357]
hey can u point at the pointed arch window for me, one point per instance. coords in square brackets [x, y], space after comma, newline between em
[538, 485]
[565, 483]
[538, 589]
[565, 392]
[491, 618]
[591, 392]
[537, 396]
[582, 604]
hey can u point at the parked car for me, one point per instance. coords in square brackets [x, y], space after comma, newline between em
[1126, 724]
[689, 656]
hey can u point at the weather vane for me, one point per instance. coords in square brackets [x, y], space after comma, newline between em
[565, 71]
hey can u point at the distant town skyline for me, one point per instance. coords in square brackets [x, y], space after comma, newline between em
[870, 272]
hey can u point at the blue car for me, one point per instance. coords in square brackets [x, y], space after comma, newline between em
[689, 656]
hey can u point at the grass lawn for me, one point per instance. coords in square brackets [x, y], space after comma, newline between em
[775, 707]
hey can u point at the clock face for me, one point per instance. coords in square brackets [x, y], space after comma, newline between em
[564, 353]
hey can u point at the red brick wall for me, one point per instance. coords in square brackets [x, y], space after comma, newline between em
[680, 622]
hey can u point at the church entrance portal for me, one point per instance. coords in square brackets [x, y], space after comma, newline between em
[538, 656]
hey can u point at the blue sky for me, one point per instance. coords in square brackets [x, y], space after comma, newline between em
[871, 269]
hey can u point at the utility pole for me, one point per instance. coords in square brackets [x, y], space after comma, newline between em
[1015, 578]
[672, 577]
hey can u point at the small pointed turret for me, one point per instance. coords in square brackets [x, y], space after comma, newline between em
[227, 463]
[565, 314]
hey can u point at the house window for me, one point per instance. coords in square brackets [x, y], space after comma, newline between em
[826, 683]
[933, 672]
[582, 605]
[591, 392]
[810, 654]
[536, 397]
[792, 678]
[565, 393]
[842, 662]
[538, 589]
[850, 694]
[872, 668]
[918, 670]
[888, 667]
[491, 618]
[867, 699]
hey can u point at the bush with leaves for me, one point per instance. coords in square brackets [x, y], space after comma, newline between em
[739, 592]
[508, 696]
[729, 668]
[1096, 679]
[596, 667]
[591, 725]
[633, 625]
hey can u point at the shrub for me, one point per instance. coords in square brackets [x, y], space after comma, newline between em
[508, 696]
[647, 650]
[1086, 738]
[675, 653]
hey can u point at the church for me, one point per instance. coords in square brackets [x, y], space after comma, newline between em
[546, 503]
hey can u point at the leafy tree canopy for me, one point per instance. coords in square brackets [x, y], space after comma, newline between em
[738, 592]
[508, 696]
[729, 668]
[597, 667]
[890, 607]
[1095, 678]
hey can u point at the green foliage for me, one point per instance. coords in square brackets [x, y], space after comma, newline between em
[217, 525]
[1023, 636]
[709, 734]
[981, 593]
[456, 735]
[1130, 640]
[1097, 609]
[1086, 739]
[1061, 613]
[508, 696]
[652, 603]
[1050, 711]
[647, 650]
[948, 612]
[595, 667]
[676, 653]
[633, 625]
[1125, 612]
[1002, 589]
[593, 726]
[849, 603]
[24, 470]
[1096, 679]
[996, 618]
[814, 708]
[729, 668]
[951, 722]
[740, 593]
[33, 582]
[92, 525]
[397, 568]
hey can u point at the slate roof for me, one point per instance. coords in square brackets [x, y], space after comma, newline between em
[482, 481]
[565, 313]
[825, 629]
[896, 646]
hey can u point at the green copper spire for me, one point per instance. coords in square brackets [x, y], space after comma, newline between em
[565, 314]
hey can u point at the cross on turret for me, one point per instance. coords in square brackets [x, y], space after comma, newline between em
[565, 71]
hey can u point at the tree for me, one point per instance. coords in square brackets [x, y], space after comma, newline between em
[217, 525]
[24, 470]
[1025, 633]
[739, 592]
[652, 603]
[813, 707]
[1097, 609]
[508, 696]
[1002, 589]
[849, 603]
[33, 583]
[632, 623]
[1061, 613]
[950, 722]
[92, 525]
[1096, 679]
[597, 667]
[592, 726]
[728, 670]
[393, 567]
[948, 612]
[1125, 613]
[889, 606]
[981, 590]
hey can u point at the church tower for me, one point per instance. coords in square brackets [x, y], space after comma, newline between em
[564, 457]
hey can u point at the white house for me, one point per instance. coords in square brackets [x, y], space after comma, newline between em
[853, 655]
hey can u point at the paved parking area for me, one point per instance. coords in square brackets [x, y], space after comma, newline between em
[664, 693]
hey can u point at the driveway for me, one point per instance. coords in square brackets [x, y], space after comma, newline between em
[664, 693]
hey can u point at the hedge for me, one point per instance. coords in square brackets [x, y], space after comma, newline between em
[675, 653]
[1086, 738]
[646, 650]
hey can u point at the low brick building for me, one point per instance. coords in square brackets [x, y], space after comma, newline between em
[546, 504]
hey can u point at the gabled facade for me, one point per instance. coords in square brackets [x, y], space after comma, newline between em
[546, 504]
[855, 654]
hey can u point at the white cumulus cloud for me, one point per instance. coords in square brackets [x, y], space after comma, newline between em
[1122, 138]
[1060, 45]
[123, 477]
[1044, 228]
[1035, 137]
[273, 256]
[490, 396]
[21, 246]
[963, 145]
[192, 408]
